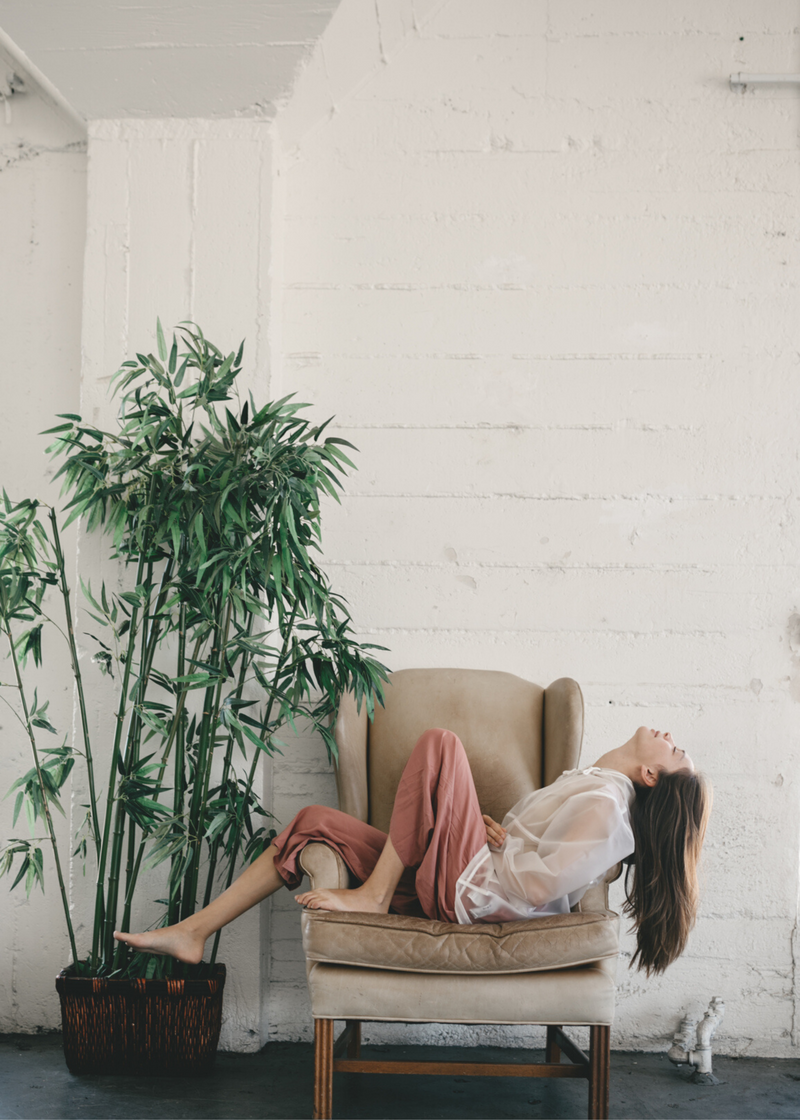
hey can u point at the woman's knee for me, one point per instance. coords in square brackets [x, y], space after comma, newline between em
[310, 816]
[439, 741]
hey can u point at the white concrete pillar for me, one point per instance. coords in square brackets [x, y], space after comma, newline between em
[178, 227]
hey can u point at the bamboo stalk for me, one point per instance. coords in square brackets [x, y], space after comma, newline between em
[177, 734]
[189, 889]
[43, 790]
[226, 768]
[121, 950]
[131, 758]
[178, 766]
[76, 672]
[214, 723]
[115, 868]
[210, 720]
[149, 643]
[102, 902]
[110, 915]
[176, 721]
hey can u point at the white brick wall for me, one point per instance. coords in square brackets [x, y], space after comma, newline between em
[541, 262]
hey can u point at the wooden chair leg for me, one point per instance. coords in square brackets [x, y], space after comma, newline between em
[323, 1069]
[354, 1042]
[599, 1069]
[552, 1049]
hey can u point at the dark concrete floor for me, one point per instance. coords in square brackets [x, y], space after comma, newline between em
[36, 1085]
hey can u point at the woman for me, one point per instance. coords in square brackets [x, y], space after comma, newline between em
[642, 802]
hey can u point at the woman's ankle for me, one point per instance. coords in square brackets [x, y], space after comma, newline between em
[195, 927]
[380, 898]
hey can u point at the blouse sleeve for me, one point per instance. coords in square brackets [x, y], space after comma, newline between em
[586, 836]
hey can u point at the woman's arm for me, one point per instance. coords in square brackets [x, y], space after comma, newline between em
[586, 836]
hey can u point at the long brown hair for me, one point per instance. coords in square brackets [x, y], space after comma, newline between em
[669, 823]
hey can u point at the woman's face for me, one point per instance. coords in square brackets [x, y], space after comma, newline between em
[657, 749]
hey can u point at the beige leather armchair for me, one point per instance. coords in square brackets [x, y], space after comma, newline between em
[556, 970]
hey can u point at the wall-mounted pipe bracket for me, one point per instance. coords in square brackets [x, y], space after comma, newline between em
[13, 85]
[25, 77]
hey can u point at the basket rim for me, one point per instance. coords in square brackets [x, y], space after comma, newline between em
[152, 985]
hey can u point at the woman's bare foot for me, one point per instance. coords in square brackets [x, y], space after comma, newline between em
[172, 941]
[355, 901]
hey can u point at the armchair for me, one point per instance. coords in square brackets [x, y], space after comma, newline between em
[555, 970]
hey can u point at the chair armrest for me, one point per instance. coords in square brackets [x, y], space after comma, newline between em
[596, 898]
[325, 868]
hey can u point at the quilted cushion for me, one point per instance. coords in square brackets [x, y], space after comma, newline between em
[404, 944]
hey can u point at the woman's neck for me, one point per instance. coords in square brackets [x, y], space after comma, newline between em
[619, 759]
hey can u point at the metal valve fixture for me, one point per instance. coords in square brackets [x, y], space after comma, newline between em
[691, 1044]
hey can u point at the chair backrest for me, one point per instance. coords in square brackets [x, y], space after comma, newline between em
[517, 735]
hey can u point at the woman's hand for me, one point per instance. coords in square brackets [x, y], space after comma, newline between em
[495, 833]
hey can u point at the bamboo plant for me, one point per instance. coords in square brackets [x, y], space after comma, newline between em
[222, 631]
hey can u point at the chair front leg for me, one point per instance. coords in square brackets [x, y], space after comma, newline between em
[323, 1069]
[599, 1069]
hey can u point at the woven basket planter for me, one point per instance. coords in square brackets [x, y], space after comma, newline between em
[140, 1026]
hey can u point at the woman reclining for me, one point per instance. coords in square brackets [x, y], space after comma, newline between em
[443, 859]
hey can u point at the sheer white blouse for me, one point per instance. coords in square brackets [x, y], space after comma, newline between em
[559, 840]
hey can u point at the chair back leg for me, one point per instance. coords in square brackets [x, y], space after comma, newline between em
[354, 1039]
[552, 1049]
[599, 1068]
[323, 1069]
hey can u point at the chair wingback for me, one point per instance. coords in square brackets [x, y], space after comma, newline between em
[517, 736]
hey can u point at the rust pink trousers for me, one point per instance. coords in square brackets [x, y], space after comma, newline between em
[436, 829]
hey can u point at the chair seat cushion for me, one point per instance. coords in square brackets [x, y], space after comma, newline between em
[403, 944]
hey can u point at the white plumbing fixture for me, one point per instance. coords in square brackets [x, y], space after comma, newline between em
[691, 1044]
[739, 80]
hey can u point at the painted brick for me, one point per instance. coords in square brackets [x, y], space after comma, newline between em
[617, 531]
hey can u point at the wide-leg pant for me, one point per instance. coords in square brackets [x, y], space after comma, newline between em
[436, 829]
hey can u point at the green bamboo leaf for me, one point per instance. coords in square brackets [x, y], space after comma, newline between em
[196, 680]
[197, 526]
[259, 742]
[332, 445]
[58, 428]
[334, 452]
[42, 721]
[23, 871]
